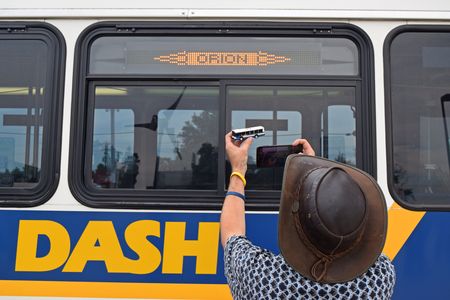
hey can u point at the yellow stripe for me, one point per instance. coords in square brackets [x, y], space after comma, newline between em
[114, 290]
[401, 223]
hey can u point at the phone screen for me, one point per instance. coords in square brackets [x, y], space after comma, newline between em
[275, 156]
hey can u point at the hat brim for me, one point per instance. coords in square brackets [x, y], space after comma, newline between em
[354, 262]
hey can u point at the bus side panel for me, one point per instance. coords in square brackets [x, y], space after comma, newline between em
[423, 264]
[118, 254]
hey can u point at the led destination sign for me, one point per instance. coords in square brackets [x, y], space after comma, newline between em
[219, 55]
[250, 59]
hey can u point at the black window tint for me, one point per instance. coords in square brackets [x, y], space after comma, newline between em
[30, 96]
[155, 137]
[418, 88]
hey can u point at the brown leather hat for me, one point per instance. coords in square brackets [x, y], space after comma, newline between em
[333, 219]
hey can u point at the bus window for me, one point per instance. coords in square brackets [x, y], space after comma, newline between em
[288, 113]
[155, 137]
[417, 59]
[152, 103]
[30, 113]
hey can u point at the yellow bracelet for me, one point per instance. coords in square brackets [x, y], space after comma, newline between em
[241, 177]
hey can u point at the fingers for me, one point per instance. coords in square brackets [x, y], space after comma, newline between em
[307, 148]
[247, 143]
[229, 142]
[296, 142]
[228, 138]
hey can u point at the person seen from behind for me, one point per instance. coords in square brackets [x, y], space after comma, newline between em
[331, 231]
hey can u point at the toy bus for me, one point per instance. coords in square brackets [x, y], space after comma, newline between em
[112, 160]
[243, 133]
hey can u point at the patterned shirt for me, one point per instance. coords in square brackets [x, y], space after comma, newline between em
[256, 273]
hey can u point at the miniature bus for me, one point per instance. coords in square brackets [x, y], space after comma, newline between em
[243, 133]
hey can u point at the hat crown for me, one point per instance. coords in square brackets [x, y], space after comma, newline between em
[332, 210]
[333, 219]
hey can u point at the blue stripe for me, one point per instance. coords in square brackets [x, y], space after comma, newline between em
[261, 229]
[423, 264]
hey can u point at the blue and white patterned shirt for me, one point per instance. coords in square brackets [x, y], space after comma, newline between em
[256, 273]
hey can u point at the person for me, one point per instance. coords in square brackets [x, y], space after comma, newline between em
[331, 231]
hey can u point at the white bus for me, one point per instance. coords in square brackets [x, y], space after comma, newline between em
[112, 163]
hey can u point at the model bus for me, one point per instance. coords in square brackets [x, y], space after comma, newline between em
[112, 124]
[244, 133]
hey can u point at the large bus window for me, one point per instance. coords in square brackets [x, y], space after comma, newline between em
[31, 60]
[153, 101]
[288, 113]
[155, 137]
[417, 59]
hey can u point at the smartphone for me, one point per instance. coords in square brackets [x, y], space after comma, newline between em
[275, 156]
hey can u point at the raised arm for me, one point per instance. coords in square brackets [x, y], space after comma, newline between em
[232, 220]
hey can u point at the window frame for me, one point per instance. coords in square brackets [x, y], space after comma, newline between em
[170, 199]
[355, 84]
[163, 194]
[389, 117]
[51, 144]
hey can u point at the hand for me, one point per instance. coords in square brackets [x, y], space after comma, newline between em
[237, 153]
[307, 149]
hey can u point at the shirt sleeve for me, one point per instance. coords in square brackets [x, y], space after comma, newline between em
[387, 274]
[240, 256]
[233, 245]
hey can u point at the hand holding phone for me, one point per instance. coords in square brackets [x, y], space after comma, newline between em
[275, 156]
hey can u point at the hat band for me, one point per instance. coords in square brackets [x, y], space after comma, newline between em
[324, 259]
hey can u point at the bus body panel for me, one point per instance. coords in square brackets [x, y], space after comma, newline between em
[418, 246]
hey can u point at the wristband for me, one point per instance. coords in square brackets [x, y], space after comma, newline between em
[241, 177]
[235, 194]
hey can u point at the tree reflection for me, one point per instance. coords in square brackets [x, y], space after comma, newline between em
[113, 173]
[199, 145]
[401, 183]
[129, 172]
[24, 175]
[342, 158]
[204, 172]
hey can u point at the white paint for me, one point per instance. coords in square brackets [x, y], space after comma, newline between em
[400, 5]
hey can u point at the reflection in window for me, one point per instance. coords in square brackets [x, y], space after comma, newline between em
[114, 162]
[288, 113]
[187, 152]
[155, 137]
[420, 69]
[23, 107]
[339, 134]
[267, 178]
[20, 145]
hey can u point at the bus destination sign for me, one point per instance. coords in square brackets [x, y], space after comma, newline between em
[241, 59]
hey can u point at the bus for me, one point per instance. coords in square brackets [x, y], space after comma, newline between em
[112, 124]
